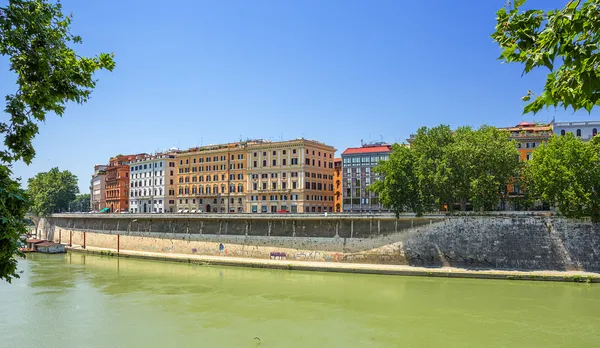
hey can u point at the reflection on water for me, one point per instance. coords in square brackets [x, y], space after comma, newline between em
[78, 300]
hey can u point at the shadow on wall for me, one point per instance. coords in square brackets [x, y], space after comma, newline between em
[507, 243]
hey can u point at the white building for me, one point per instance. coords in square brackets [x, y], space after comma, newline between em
[585, 130]
[151, 183]
[97, 188]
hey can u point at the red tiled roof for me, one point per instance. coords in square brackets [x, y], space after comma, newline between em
[526, 124]
[337, 159]
[367, 149]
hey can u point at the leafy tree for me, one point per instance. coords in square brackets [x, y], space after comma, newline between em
[494, 162]
[445, 167]
[566, 173]
[13, 207]
[430, 146]
[51, 192]
[565, 41]
[80, 203]
[399, 190]
[36, 37]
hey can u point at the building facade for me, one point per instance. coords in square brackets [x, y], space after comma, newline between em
[585, 130]
[290, 176]
[117, 183]
[528, 137]
[152, 181]
[98, 188]
[357, 175]
[212, 178]
[337, 184]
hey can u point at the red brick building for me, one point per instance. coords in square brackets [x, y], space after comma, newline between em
[117, 183]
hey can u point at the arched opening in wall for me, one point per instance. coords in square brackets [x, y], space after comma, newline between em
[579, 133]
[145, 207]
[338, 208]
[562, 132]
[208, 208]
[594, 132]
[112, 208]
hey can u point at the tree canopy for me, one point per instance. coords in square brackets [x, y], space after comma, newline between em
[565, 41]
[51, 192]
[80, 203]
[566, 173]
[13, 208]
[36, 38]
[399, 189]
[444, 167]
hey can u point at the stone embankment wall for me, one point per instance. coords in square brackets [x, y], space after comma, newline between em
[499, 242]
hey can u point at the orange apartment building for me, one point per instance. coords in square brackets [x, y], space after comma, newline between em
[212, 179]
[256, 176]
[117, 183]
[528, 137]
[290, 176]
[337, 182]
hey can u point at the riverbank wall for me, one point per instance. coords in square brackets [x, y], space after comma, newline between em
[513, 242]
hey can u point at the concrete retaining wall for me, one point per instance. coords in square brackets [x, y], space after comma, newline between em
[503, 242]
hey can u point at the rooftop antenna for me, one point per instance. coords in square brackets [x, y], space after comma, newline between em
[362, 143]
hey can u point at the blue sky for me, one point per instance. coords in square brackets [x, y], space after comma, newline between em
[202, 72]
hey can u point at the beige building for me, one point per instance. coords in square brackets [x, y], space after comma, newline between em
[212, 178]
[97, 188]
[293, 176]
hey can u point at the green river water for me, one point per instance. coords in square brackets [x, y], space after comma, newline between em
[78, 300]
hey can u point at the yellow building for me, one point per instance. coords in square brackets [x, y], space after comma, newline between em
[212, 179]
[290, 176]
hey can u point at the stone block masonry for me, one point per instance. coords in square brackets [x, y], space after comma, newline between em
[479, 242]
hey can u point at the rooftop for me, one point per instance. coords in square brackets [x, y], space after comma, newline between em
[529, 127]
[367, 149]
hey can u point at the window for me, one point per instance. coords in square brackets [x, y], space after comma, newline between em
[284, 152]
[255, 154]
[294, 161]
[579, 133]
[264, 153]
[594, 132]
[274, 163]
[294, 185]
[294, 151]
[264, 163]
[264, 185]
[274, 153]
[274, 186]
[254, 164]
[284, 162]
